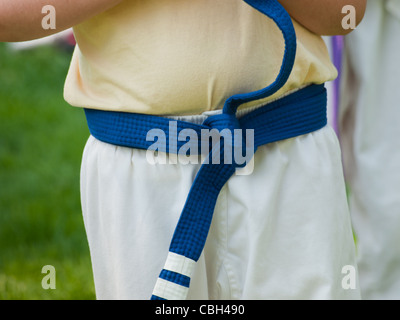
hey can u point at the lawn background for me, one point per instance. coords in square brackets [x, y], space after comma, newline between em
[41, 144]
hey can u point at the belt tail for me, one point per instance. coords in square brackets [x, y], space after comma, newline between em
[191, 232]
[173, 282]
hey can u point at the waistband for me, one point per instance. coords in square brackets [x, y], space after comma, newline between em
[284, 118]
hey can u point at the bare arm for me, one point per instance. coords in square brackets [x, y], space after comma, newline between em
[323, 17]
[21, 20]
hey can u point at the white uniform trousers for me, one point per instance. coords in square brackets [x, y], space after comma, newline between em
[282, 232]
[370, 137]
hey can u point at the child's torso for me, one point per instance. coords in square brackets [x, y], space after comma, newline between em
[173, 57]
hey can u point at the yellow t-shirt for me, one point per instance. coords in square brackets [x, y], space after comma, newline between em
[184, 57]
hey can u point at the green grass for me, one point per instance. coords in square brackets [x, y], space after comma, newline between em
[41, 144]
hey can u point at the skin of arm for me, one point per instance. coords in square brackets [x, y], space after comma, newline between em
[21, 20]
[323, 17]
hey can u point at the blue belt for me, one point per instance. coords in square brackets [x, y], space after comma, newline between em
[298, 113]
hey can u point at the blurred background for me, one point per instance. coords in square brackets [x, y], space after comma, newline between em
[41, 144]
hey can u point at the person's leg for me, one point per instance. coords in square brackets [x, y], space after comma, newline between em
[130, 210]
[289, 232]
[370, 131]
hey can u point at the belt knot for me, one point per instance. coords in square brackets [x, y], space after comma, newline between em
[222, 121]
[231, 143]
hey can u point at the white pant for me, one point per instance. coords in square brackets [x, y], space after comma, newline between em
[283, 232]
[370, 137]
